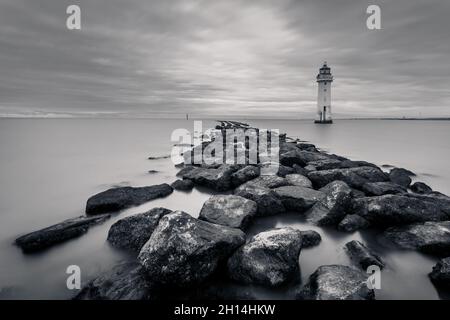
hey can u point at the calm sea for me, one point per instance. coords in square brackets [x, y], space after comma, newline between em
[49, 168]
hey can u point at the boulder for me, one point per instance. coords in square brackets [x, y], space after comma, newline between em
[126, 281]
[284, 170]
[185, 170]
[134, 231]
[299, 199]
[184, 251]
[434, 198]
[441, 273]
[354, 177]
[325, 164]
[400, 176]
[429, 237]
[353, 164]
[310, 238]
[291, 157]
[307, 147]
[183, 185]
[265, 198]
[269, 258]
[298, 180]
[299, 170]
[308, 156]
[269, 181]
[381, 188]
[228, 210]
[245, 174]
[362, 256]
[390, 210]
[336, 282]
[421, 188]
[218, 179]
[332, 208]
[353, 222]
[116, 199]
[58, 233]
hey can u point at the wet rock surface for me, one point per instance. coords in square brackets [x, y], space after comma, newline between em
[354, 177]
[441, 273]
[362, 256]
[184, 251]
[401, 176]
[117, 199]
[332, 208]
[58, 233]
[421, 188]
[336, 282]
[218, 179]
[266, 199]
[127, 281]
[269, 258]
[299, 199]
[229, 210]
[245, 174]
[183, 185]
[382, 188]
[310, 238]
[353, 222]
[429, 237]
[298, 180]
[134, 231]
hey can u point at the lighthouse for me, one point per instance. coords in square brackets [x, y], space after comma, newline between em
[324, 79]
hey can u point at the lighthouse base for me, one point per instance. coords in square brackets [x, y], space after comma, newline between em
[323, 121]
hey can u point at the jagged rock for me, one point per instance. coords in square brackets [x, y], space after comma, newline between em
[310, 238]
[362, 256]
[299, 170]
[291, 157]
[183, 185]
[441, 273]
[354, 177]
[337, 282]
[325, 164]
[381, 188]
[268, 181]
[297, 198]
[353, 164]
[307, 156]
[58, 233]
[269, 258]
[331, 209]
[245, 174]
[397, 209]
[218, 179]
[429, 237]
[126, 281]
[284, 170]
[183, 251]
[116, 199]
[353, 222]
[134, 231]
[265, 198]
[420, 187]
[298, 180]
[435, 198]
[287, 147]
[358, 193]
[400, 176]
[228, 210]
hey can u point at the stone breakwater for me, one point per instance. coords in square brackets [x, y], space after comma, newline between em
[178, 256]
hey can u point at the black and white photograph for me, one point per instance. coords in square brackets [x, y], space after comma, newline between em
[230, 157]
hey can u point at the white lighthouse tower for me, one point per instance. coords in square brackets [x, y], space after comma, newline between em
[324, 79]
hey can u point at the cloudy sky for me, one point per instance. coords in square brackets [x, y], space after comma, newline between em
[223, 57]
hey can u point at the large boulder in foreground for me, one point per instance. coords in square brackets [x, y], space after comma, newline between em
[428, 237]
[299, 199]
[354, 177]
[298, 180]
[116, 199]
[337, 282]
[333, 207]
[134, 231]
[441, 273]
[126, 281]
[245, 174]
[401, 176]
[390, 210]
[183, 251]
[58, 233]
[353, 222]
[362, 256]
[218, 179]
[269, 258]
[382, 188]
[266, 199]
[229, 210]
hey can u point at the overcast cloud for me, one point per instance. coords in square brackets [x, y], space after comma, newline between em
[223, 57]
